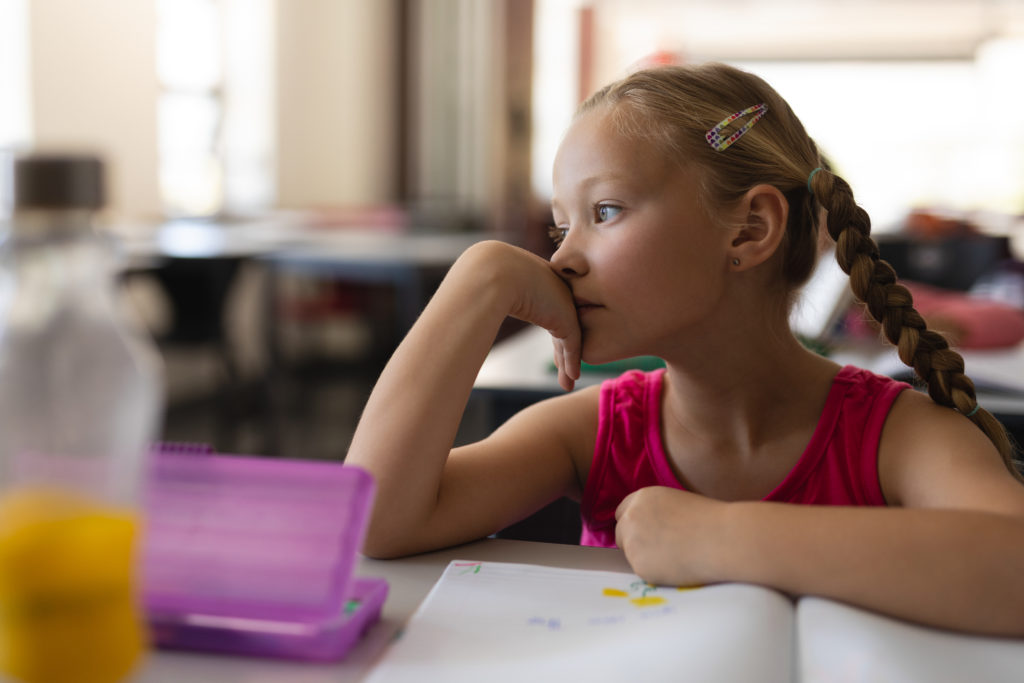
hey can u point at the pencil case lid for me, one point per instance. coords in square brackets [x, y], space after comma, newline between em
[242, 543]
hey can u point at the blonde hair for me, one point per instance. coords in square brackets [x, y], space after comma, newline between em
[673, 108]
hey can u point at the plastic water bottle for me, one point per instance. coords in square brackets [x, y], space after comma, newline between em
[80, 401]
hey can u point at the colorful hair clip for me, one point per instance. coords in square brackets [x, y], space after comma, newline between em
[720, 143]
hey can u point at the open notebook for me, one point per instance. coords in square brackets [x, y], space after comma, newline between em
[488, 621]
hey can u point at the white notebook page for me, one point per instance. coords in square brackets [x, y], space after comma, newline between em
[842, 643]
[488, 621]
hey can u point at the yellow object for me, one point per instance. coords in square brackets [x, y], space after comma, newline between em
[615, 593]
[68, 609]
[648, 601]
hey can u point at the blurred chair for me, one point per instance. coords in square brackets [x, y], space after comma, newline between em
[197, 290]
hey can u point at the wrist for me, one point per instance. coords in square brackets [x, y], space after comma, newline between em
[733, 556]
[482, 274]
[478, 281]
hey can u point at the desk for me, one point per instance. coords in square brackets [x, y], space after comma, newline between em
[410, 580]
[406, 261]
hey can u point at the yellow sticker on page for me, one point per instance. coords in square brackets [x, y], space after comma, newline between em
[648, 601]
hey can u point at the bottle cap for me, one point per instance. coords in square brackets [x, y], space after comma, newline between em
[58, 181]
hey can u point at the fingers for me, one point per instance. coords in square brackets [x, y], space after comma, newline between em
[621, 529]
[567, 362]
[573, 361]
[564, 379]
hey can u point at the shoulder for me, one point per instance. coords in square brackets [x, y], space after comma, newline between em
[932, 456]
[861, 401]
[868, 383]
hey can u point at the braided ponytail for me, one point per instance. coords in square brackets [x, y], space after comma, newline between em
[873, 282]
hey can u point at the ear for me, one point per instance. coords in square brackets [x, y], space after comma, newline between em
[764, 212]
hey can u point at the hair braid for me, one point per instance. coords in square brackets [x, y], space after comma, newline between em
[873, 282]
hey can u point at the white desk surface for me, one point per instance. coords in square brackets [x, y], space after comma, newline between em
[523, 362]
[409, 579]
[519, 362]
[281, 239]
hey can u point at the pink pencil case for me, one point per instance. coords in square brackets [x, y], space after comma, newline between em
[255, 556]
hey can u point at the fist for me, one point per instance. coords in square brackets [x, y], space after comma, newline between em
[669, 535]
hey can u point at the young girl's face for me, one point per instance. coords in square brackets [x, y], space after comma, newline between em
[646, 266]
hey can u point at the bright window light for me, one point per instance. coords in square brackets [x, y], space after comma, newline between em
[215, 66]
[934, 119]
[14, 92]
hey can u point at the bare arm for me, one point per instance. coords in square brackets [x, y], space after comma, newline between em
[409, 424]
[954, 569]
[952, 556]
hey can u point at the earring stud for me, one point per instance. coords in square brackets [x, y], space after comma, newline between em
[735, 261]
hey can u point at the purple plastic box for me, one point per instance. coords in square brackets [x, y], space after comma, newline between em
[255, 556]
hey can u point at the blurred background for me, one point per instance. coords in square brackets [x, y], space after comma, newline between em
[290, 178]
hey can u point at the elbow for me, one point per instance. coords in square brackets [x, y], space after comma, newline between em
[382, 550]
[382, 543]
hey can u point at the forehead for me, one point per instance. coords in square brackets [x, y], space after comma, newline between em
[595, 145]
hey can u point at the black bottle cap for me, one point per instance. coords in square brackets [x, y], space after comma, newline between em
[58, 181]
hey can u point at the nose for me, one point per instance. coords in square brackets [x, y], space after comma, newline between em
[569, 260]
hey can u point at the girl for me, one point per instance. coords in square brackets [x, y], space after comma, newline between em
[687, 202]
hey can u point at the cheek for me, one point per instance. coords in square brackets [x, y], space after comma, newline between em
[659, 272]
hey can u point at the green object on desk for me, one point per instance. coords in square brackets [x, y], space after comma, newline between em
[645, 363]
[816, 345]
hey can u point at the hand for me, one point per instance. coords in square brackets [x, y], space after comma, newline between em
[538, 296]
[669, 535]
[567, 360]
[548, 303]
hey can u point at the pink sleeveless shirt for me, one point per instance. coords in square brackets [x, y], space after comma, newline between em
[838, 467]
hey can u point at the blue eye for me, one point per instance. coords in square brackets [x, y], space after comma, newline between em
[557, 234]
[606, 212]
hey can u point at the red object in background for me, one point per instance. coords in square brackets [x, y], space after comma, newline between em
[968, 322]
[923, 224]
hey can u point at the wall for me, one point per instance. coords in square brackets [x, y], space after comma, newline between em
[93, 86]
[336, 102]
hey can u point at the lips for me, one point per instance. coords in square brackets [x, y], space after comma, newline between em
[583, 305]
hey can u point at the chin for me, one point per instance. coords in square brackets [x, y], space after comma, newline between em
[595, 354]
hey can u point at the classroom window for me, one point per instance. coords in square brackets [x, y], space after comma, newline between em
[190, 108]
[215, 74]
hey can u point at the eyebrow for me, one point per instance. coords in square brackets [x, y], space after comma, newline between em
[611, 175]
[590, 181]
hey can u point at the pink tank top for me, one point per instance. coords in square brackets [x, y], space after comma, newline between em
[838, 467]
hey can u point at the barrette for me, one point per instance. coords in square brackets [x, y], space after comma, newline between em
[716, 138]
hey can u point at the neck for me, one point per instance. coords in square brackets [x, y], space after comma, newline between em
[743, 388]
